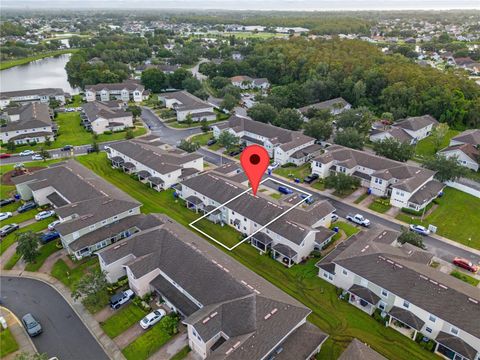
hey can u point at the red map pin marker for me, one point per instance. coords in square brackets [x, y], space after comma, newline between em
[254, 160]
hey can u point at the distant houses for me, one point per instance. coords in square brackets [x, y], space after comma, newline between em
[246, 82]
[466, 147]
[409, 130]
[335, 106]
[101, 116]
[43, 95]
[185, 104]
[284, 146]
[28, 123]
[129, 90]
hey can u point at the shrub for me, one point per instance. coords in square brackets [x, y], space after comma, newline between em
[288, 165]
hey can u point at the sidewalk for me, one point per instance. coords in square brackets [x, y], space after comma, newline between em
[108, 345]
[24, 342]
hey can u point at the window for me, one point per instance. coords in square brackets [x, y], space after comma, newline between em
[92, 227]
[325, 275]
[406, 304]
[115, 217]
[454, 330]
[344, 272]
[381, 305]
[432, 318]
[130, 211]
[384, 293]
[428, 330]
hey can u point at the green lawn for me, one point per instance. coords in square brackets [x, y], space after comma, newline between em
[339, 319]
[319, 185]
[466, 278]
[12, 261]
[146, 344]
[294, 172]
[19, 217]
[380, 206]
[361, 198]
[425, 147]
[11, 63]
[71, 132]
[7, 343]
[202, 139]
[76, 101]
[45, 251]
[276, 196]
[8, 240]
[457, 217]
[69, 276]
[182, 354]
[122, 320]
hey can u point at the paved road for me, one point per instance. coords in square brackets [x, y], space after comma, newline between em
[64, 334]
[439, 248]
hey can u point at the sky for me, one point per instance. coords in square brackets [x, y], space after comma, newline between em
[292, 5]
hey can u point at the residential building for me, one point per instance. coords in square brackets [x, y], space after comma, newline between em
[186, 104]
[246, 82]
[471, 136]
[335, 106]
[229, 311]
[414, 298]
[101, 116]
[357, 350]
[28, 123]
[406, 185]
[290, 238]
[410, 130]
[467, 155]
[125, 91]
[284, 146]
[156, 166]
[36, 95]
[237, 56]
[92, 212]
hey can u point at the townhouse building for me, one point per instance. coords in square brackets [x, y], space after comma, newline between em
[467, 155]
[412, 297]
[28, 123]
[358, 350]
[335, 106]
[186, 104]
[129, 90]
[284, 146]
[471, 137]
[407, 186]
[290, 238]
[158, 167]
[229, 311]
[410, 130]
[23, 97]
[99, 116]
[92, 213]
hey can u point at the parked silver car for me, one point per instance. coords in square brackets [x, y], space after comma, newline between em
[32, 326]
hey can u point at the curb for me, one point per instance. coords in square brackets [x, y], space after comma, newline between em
[20, 323]
[102, 339]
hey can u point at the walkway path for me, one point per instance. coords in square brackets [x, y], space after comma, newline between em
[172, 347]
[128, 336]
[24, 342]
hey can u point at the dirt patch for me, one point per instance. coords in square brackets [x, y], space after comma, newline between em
[7, 177]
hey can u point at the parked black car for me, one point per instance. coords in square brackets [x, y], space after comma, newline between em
[310, 178]
[27, 206]
[211, 142]
[67, 148]
[7, 229]
[90, 150]
[234, 152]
[5, 202]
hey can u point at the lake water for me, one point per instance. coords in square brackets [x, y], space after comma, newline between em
[44, 73]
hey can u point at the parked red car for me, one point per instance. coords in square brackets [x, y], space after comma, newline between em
[4, 156]
[465, 264]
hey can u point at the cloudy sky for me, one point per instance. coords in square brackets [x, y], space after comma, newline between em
[249, 4]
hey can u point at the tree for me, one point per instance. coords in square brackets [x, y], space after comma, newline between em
[154, 79]
[350, 137]
[263, 112]
[289, 119]
[205, 127]
[229, 102]
[95, 146]
[227, 140]
[318, 129]
[360, 119]
[48, 141]
[191, 84]
[188, 119]
[91, 287]
[394, 149]
[342, 183]
[219, 82]
[176, 79]
[44, 154]
[135, 110]
[28, 243]
[129, 134]
[188, 146]
[447, 169]
[438, 135]
[411, 238]
[11, 146]
[170, 325]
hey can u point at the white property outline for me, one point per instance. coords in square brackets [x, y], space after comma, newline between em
[264, 226]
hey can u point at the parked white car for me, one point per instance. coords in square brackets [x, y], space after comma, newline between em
[273, 166]
[152, 318]
[419, 229]
[27, 153]
[5, 215]
[37, 157]
[44, 214]
[52, 225]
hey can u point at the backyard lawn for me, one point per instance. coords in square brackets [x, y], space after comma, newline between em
[7, 343]
[122, 320]
[425, 147]
[294, 172]
[457, 217]
[148, 343]
[339, 319]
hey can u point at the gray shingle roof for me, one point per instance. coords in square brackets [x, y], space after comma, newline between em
[96, 109]
[173, 295]
[328, 104]
[406, 317]
[456, 344]
[365, 293]
[32, 116]
[39, 92]
[357, 350]
[427, 192]
[130, 85]
[416, 123]
[187, 100]
[302, 343]
[471, 136]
